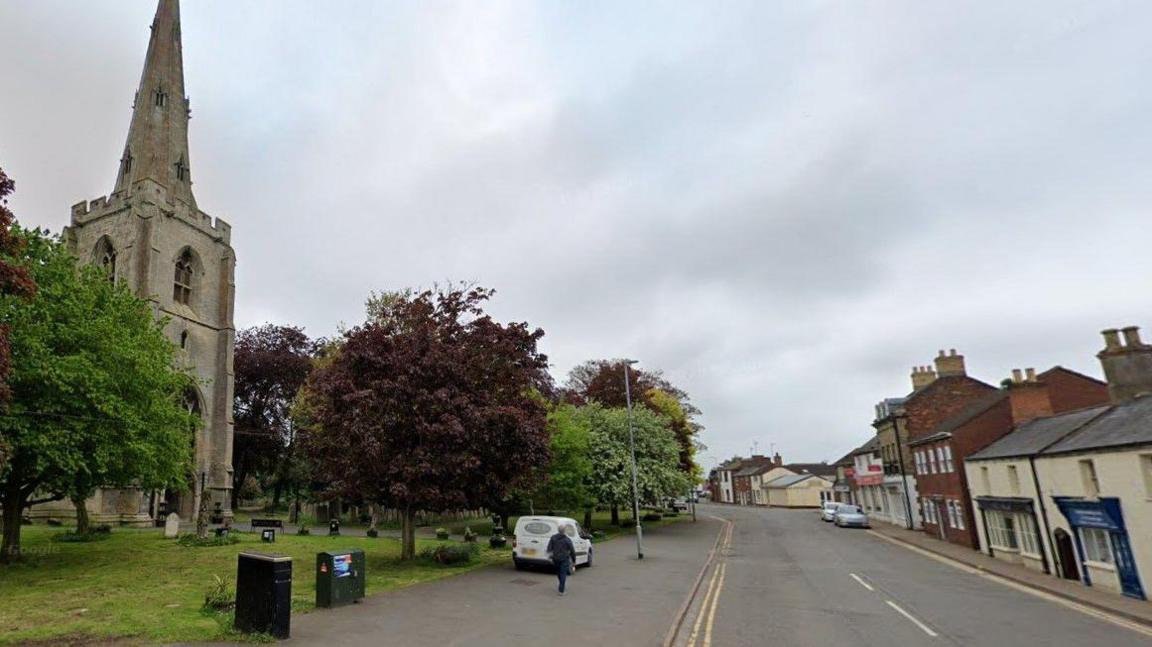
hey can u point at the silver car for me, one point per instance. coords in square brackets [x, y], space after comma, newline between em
[851, 516]
[828, 510]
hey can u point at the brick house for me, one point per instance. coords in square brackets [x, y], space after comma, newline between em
[743, 491]
[938, 459]
[937, 395]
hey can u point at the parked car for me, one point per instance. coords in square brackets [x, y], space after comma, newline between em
[678, 505]
[530, 541]
[828, 510]
[851, 516]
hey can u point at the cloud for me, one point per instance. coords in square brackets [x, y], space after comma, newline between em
[785, 207]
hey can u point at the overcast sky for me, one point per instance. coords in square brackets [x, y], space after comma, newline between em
[783, 205]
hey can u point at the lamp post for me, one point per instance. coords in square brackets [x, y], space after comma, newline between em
[632, 447]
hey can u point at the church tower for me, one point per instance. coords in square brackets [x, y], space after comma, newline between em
[150, 234]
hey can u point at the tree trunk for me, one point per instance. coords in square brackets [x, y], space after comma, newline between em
[374, 515]
[13, 504]
[588, 519]
[407, 534]
[82, 524]
[615, 515]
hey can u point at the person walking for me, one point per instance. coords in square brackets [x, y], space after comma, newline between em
[563, 553]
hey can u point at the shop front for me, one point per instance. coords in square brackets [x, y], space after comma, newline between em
[1102, 543]
[1011, 529]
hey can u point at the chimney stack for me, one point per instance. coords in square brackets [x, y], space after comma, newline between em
[922, 376]
[776, 460]
[950, 364]
[1128, 366]
[1028, 397]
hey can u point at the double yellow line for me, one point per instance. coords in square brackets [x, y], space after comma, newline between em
[712, 595]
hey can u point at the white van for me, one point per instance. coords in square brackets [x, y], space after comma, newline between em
[530, 541]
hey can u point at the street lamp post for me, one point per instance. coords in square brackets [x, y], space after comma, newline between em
[632, 447]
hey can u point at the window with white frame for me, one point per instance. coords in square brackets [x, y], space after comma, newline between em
[985, 483]
[1097, 545]
[948, 458]
[931, 462]
[1002, 530]
[958, 514]
[951, 514]
[920, 462]
[1013, 480]
[1029, 539]
[1088, 477]
[1146, 470]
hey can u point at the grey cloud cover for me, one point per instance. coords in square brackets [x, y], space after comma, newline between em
[783, 205]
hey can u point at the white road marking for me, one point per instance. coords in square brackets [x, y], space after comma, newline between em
[1043, 595]
[924, 627]
[862, 582]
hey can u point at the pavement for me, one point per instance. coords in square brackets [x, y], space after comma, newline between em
[1139, 611]
[786, 578]
[619, 600]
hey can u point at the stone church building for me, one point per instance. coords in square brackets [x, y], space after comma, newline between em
[150, 233]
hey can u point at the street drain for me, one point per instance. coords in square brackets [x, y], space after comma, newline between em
[523, 582]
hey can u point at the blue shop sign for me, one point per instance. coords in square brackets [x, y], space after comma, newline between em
[1104, 514]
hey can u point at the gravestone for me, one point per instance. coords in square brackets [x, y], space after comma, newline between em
[172, 526]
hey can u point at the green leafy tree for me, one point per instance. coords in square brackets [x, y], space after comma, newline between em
[571, 466]
[658, 473]
[95, 398]
[15, 281]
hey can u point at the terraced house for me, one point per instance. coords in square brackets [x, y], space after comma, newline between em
[1069, 494]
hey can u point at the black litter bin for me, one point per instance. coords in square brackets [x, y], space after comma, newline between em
[339, 577]
[264, 593]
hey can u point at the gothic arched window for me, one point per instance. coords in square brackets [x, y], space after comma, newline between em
[105, 257]
[160, 97]
[181, 170]
[182, 284]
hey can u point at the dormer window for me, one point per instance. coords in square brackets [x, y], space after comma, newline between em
[182, 284]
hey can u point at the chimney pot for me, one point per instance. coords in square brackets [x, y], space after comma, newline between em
[1132, 336]
[941, 353]
[952, 352]
[950, 365]
[1017, 377]
[1111, 339]
[1030, 374]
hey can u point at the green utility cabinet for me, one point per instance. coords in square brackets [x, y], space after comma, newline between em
[339, 577]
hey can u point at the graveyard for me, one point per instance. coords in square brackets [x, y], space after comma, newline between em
[136, 584]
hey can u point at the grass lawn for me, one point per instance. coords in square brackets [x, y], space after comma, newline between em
[138, 585]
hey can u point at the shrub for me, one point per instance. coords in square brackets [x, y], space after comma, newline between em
[442, 533]
[672, 513]
[469, 536]
[372, 532]
[597, 534]
[450, 554]
[652, 516]
[219, 597]
[303, 530]
[190, 540]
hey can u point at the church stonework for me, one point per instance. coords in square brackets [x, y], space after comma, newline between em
[151, 235]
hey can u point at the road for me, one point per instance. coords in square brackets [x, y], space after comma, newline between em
[787, 578]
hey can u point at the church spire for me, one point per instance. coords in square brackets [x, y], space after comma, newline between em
[157, 147]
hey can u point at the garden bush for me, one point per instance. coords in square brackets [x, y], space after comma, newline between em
[190, 539]
[442, 533]
[303, 531]
[469, 536]
[652, 516]
[219, 598]
[451, 554]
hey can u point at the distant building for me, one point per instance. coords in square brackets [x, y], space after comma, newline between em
[936, 396]
[797, 490]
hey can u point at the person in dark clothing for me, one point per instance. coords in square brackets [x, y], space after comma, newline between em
[563, 553]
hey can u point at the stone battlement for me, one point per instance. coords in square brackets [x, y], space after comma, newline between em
[88, 210]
